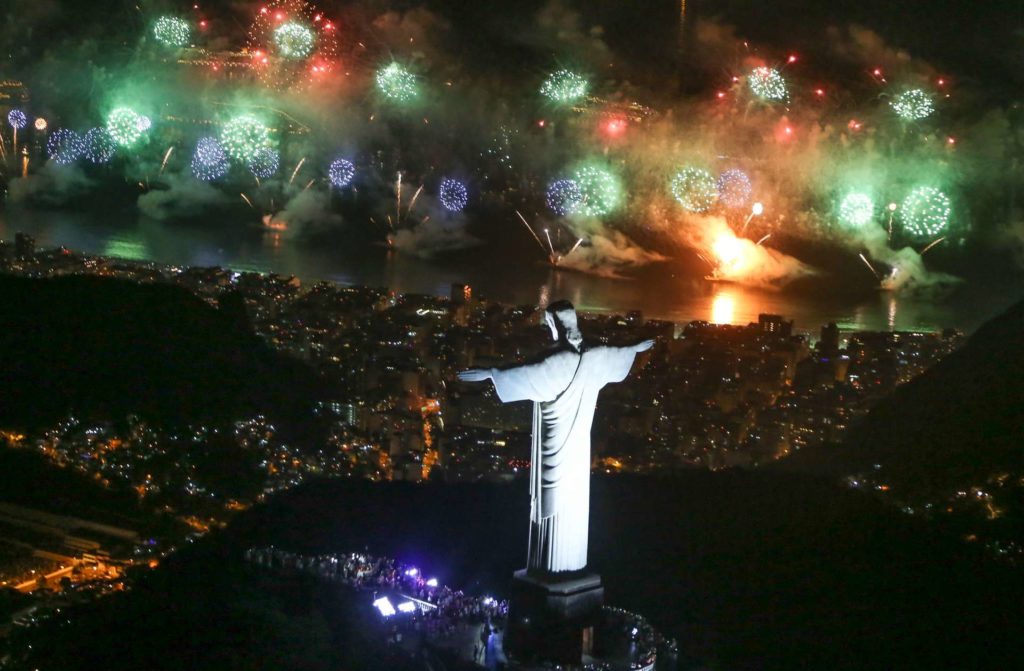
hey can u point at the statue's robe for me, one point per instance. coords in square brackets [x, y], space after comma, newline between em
[564, 387]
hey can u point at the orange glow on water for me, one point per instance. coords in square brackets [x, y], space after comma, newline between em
[723, 308]
[272, 224]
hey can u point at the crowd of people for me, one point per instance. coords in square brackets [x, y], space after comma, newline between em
[646, 642]
[440, 614]
[448, 618]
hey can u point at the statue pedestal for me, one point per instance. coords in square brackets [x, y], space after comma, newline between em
[551, 617]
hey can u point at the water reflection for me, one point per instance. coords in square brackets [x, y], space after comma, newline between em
[668, 291]
[544, 296]
[134, 250]
[723, 308]
[272, 239]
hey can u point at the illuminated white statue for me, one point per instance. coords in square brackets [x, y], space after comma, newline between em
[563, 386]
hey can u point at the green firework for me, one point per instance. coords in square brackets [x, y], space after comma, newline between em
[695, 189]
[396, 83]
[172, 31]
[294, 40]
[125, 126]
[856, 210]
[767, 84]
[601, 189]
[244, 137]
[913, 105]
[925, 212]
[564, 86]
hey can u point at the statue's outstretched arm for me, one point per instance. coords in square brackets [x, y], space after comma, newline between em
[643, 346]
[476, 375]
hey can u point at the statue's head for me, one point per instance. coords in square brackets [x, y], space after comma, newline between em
[561, 319]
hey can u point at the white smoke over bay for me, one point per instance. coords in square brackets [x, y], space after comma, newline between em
[53, 185]
[609, 253]
[432, 237]
[308, 212]
[184, 197]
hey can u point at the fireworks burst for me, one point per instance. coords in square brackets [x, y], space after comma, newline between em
[729, 252]
[298, 166]
[125, 125]
[913, 105]
[554, 257]
[210, 160]
[695, 189]
[925, 212]
[756, 210]
[870, 267]
[163, 163]
[292, 43]
[341, 172]
[412, 203]
[244, 137]
[564, 87]
[294, 40]
[530, 229]
[99, 146]
[564, 197]
[265, 163]
[65, 146]
[932, 244]
[501, 146]
[767, 84]
[601, 189]
[453, 195]
[734, 188]
[17, 119]
[856, 210]
[396, 83]
[172, 31]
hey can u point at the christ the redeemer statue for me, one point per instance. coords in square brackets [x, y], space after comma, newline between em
[563, 386]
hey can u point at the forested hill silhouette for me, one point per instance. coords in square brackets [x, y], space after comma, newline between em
[748, 570]
[103, 348]
[958, 424]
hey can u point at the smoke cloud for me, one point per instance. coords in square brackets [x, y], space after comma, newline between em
[609, 253]
[433, 237]
[184, 197]
[308, 212]
[54, 185]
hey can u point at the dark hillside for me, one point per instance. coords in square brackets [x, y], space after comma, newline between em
[747, 570]
[104, 348]
[959, 424]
